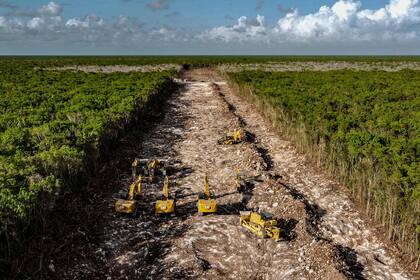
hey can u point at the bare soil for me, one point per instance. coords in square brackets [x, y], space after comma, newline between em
[389, 66]
[117, 68]
[322, 66]
[323, 236]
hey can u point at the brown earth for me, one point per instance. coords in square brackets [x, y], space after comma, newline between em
[323, 236]
[117, 68]
[389, 66]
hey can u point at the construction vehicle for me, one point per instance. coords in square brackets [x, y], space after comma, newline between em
[260, 223]
[232, 138]
[128, 201]
[206, 202]
[152, 168]
[240, 183]
[165, 205]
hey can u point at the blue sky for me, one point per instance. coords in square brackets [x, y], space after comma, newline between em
[209, 27]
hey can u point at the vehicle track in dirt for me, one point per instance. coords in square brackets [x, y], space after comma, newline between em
[323, 236]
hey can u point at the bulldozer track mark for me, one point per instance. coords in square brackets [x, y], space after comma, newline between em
[231, 108]
[205, 265]
[347, 262]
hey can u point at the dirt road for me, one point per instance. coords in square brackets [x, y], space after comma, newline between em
[323, 236]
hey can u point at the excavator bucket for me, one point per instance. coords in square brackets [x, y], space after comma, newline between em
[206, 202]
[261, 224]
[166, 205]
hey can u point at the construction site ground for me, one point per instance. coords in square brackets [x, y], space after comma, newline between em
[323, 236]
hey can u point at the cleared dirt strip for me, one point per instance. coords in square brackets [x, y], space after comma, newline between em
[323, 236]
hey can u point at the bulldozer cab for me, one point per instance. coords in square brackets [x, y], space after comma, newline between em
[266, 216]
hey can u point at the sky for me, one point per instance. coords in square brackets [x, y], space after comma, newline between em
[243, 27]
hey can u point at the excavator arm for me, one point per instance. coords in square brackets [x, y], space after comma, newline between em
[131, 191]
[166, 205]
[206, 187]
[166, 188]
[139, 185]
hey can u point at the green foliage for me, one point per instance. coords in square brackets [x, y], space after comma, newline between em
[51, 128]
[369, 124]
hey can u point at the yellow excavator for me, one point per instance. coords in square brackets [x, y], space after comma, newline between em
[206, 202]
[261, 224]
[152, 167]
[239, 181]
[232, 138]
[128, 202]
[165, 205]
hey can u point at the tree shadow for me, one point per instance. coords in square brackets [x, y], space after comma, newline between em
[246, 189]
[314, 212]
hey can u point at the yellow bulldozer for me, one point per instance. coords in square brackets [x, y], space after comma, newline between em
[206, 203]
[232, 138]
[261, 224]
[165, 205]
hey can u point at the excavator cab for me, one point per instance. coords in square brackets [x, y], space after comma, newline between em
[206, 202]
[232, 138]
[165, 205]
[261, 224]
[128, 201]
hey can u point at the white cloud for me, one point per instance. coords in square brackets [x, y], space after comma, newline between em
[344, 21]
[343, 25]
[75, 22]
[51, 9]
[3, 22]
[400, 8]
[242, 31]
[344, 10]
[90, 21]
[47, 26]
[35, 23]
